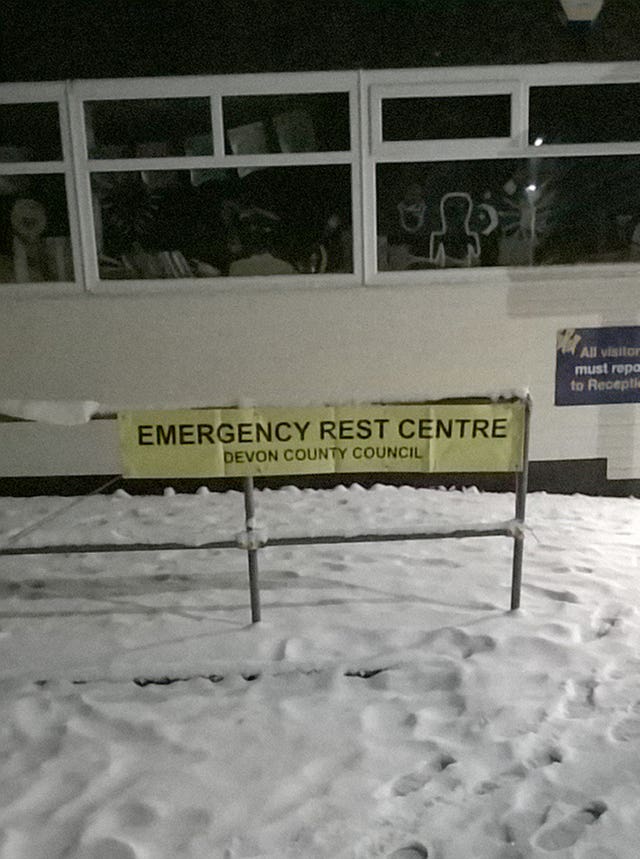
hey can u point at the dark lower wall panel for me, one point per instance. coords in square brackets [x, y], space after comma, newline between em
[585, 476]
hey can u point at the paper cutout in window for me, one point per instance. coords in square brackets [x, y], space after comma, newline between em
[250, 139]
[525, 220]
[201, 144]
[412, 209]
[258, 232]
[455, 243]
[155, 179]
[295, 131]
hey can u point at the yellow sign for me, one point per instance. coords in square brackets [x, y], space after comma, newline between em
[236, 442]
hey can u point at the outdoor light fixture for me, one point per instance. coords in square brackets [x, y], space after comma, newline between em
[581, 14]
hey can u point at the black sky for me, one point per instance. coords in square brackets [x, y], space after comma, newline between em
[62, 39]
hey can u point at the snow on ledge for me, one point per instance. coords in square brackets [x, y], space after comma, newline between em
[63, 412]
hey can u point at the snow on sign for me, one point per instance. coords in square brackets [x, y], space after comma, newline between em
[428, 437]
[598, 365]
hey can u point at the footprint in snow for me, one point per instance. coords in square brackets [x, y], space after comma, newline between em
[336, 566]
[109, 848]
[557, 596]
[453, 641]
[626, 730]
[415, 781]
[580, 698]
[411, 851]
[567, 831]
[610, 618]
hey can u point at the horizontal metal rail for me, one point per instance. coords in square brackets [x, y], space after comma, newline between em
[506, 530]
[108, 548]
[253, 538]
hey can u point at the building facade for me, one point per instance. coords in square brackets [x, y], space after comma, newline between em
[301, 238]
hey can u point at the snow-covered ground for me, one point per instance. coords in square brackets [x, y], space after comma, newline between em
[387, 699]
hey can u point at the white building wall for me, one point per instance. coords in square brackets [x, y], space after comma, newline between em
[306, 346]
[408, 336]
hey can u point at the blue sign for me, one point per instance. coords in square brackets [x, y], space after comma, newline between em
[596, 366]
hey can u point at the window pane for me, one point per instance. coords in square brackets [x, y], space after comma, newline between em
[34, 230]
[30, 132]
[584, 114]
[447, 118]
[148, 128]
[181, 223]
[287, 123]
[542, 211]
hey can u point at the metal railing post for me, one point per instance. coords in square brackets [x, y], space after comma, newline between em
[252, 548]
[522, 481]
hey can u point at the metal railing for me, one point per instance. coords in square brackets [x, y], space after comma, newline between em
[252, 540]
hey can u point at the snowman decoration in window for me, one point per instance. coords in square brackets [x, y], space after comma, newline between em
[28, 223]
[34, 257]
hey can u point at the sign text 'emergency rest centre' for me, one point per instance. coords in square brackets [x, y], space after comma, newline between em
[235, 442]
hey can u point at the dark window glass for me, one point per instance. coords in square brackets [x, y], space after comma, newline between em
[259, 124]
[34, 229]
[30, 132]
[209, 223]
[516, 212]
[148, 128]
[584, 114]
[446, 118]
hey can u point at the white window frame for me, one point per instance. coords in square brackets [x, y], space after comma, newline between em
[431, 149]
[47, 93]
[377, 85]
[366, 90]
[215, 88]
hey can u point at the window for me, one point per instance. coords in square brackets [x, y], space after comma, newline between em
[508, 212]
[480, 174]
[338, 178]
[315, 122]
[584, 114]
[446, 117]
[251, 222]
[219, 182]
[30, 132]
[35, 177]
[151, 127]
[34, 229]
